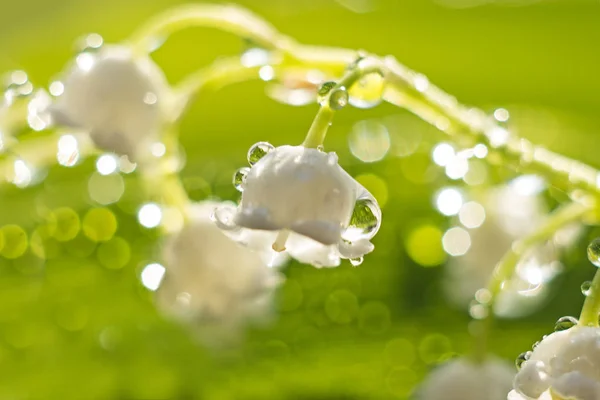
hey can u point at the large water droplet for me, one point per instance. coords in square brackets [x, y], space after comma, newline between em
[356, 261]
[522, 358]
[324, 90]
[367, 92]
[593, 252]
[338, 99]
[565, 323]
[258, 151]
[586, 288]
[365, 220]
[239, 177]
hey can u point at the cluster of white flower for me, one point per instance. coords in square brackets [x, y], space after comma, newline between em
[296, 201]
[221, 263]
[512, 211]
[465, 379]
[565, 365]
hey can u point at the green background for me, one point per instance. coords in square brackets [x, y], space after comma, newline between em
[79, 325]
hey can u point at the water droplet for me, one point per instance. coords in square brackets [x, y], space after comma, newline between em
[522, 358]
[338, 99]
[258, 151]
[365, 220]
[224, 218]
[565, 323]
[586, 288]
[89, 43]
[356, 261]
[536, 344]
[593, 252]
[367, 92]
[324, 90]
[239, 177]
[16, 85]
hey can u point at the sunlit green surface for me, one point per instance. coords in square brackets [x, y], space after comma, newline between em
[80, 325]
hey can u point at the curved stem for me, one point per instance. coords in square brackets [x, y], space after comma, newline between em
[414, 92]
[569, 213]
[591, 306]
[318, 129]
[230, 18]
[405, 88]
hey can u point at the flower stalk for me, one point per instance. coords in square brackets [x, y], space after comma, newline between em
[591, 306]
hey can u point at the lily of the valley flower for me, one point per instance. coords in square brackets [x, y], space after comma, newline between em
[511, 212]
[210, 281]
[463, 379]
[563, 366]
[305, 204]
[120, 98]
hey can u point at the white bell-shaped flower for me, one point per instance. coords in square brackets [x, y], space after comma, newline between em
[121, 99]
[511, 212]
[304, 203]
[464, 379]
[563, 366]
[210, 281]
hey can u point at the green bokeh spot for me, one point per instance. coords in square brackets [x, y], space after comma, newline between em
[99, 224]
[114, 254]
[66, 224]
[15, 241]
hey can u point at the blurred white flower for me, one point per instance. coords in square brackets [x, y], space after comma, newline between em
[512, 211]
[563, 366]
[304, 203]
[463, 379]
[211, 282]
[121, 99]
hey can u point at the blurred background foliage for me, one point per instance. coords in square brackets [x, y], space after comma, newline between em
[77, 323]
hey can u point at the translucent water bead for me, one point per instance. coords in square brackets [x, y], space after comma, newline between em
[367, 92]
[258, 151]
[593, 252]
[365, 221]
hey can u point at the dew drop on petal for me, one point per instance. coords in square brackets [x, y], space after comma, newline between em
[239, 177]
[258, 151]
[338, 99]
[365, 220]
[356, 261]
[521, 359]
[586, 288]
[565, 323]
[593, 252]
[223, 217]
[367, 92]
[324, 90]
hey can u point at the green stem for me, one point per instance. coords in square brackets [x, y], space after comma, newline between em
[318, 130]
[413, 91]
[505, 269]
[219, 74]
[230, 18]
[405, 88]
[591, 306]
